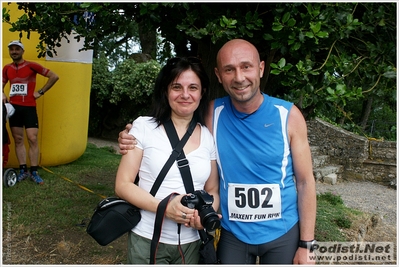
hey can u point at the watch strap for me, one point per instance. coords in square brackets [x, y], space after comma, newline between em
[307, 244]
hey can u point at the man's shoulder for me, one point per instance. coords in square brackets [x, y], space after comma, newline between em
[221, 100]
[6, 69]
[277, 100]
[7, 65]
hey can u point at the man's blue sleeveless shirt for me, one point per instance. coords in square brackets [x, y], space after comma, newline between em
[258, 197]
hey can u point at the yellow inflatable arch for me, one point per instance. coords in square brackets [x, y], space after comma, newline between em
[64, 110]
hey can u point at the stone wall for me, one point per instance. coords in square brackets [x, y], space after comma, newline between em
[363, 159]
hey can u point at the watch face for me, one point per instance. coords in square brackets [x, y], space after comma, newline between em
[311, 245]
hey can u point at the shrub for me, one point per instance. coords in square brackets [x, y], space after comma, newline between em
[120, 95]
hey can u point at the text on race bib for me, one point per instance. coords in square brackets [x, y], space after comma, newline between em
[254, 202]
[19, 89]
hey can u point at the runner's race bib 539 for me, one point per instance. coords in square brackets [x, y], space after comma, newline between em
[19, 89]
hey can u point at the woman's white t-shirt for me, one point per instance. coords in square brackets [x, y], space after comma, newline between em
[156, 147]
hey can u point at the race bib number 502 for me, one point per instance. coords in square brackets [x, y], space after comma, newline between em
[254, 202]
[19, 89]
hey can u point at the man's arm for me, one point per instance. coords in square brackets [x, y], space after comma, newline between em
[306, 186]
[127, 142]
[52, 79]
[4, 95]
[5, 81]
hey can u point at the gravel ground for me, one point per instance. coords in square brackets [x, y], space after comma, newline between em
[366, 196]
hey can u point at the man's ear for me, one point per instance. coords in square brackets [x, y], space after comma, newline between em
[261, 68]
[217, 75]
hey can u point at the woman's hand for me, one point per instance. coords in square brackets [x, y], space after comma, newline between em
[195, 221]
[179, 213]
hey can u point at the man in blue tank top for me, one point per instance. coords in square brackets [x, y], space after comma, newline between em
[267, 188]
[261, 146]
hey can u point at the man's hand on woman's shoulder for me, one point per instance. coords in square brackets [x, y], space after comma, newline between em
[126, 141]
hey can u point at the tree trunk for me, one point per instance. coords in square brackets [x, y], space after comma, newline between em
[148, 40]
[366, 112]
[269, 59]
[207, 51]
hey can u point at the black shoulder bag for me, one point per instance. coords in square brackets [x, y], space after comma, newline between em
[113, 217]
[207, 249]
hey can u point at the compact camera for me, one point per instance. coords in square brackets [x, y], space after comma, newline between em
[202, 201]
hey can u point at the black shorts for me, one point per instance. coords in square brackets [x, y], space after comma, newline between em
[24, 116]
[279, 251]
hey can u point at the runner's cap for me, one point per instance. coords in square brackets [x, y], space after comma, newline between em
[18, 43]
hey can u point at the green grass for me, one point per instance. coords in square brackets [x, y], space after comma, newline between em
[60, 203]
[332, 216]
[56, 208]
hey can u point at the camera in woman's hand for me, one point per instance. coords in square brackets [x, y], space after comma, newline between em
[202, 201]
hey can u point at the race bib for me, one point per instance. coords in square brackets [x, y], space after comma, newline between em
[19, 89]
[254, 202]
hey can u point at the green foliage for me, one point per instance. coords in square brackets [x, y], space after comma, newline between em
[332, 52]
[222, 22]
[382, 123]
[322, 56]
[101, 81]
[121, 94]
[56, 21]
[134, 81]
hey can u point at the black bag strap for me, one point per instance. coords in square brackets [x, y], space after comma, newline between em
[182, 162]
[177, 151]
[185, 172]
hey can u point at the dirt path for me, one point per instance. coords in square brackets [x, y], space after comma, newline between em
[104, 143]
[366, 196]
[379, 202]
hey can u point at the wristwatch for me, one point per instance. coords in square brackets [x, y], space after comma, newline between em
[41, 92]
[311, 245]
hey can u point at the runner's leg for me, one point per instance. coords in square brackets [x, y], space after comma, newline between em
[233, 251]
[20, 151]
[282, 250]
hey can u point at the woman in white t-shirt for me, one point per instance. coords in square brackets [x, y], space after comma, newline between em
[180, 94]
